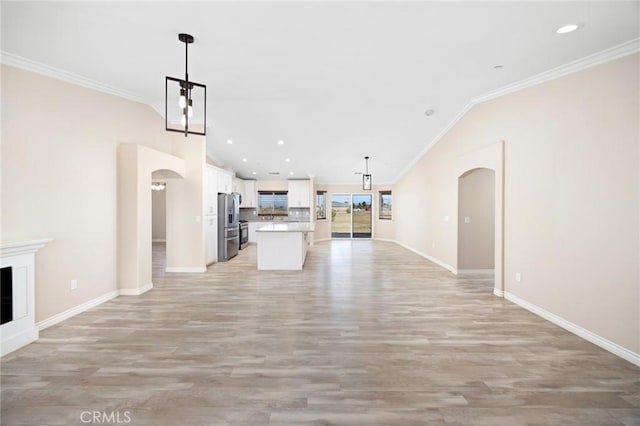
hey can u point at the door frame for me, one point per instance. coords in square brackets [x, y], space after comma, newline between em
[351, 194]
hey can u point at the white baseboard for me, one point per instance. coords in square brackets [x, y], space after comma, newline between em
[389, 240]
[15, 342]
[76, 310]
[136, 291]
[431, 258]
[486, 272]
[317, 240]
[608, 345]
[185, 269]
[159, 240]
[498, 292]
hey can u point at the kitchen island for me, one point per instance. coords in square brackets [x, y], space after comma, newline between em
[283, 246]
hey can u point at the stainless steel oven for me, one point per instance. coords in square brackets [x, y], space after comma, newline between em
[244, 234]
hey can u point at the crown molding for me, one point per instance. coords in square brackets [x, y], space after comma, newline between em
[10, 59]
[624, 49]
[628, 48]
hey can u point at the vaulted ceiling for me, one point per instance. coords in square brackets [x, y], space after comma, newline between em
[335, 81]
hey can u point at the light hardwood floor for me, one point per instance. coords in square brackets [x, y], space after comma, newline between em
[368, 333]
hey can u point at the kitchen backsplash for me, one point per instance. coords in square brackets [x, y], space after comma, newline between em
[295, 215]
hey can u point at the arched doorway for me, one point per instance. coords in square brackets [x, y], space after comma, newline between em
[491, 160]
[476, 224]
[161, 183]
[136, 166]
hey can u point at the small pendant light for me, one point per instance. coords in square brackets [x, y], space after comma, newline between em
[366, 177]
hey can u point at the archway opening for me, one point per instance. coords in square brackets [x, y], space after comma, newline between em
[476, 226]
[161, 182]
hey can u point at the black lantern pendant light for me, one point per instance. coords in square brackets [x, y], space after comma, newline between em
[366, 177]
[178, 115]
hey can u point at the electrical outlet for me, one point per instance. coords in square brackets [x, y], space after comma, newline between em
[518, 277]
[467, 219]
[74, 284]
[446, 218]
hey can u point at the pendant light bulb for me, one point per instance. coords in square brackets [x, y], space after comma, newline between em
[183, 120]
[183, 99]
[190, 109]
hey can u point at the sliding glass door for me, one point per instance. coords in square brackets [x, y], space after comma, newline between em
[341, 216]
[351, 215]
[361, 215]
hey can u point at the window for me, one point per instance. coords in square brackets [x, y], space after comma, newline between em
[386, 201]
[321, 210]
[272, 203]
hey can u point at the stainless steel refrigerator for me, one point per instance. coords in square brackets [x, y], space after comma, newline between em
[228, 226]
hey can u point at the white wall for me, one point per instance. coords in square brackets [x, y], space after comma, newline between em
[59, 171]
[158, 215]
[185, 207]
[571, 195]
[476, 219]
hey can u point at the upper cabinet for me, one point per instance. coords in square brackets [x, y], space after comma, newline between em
[299, 193]
[249, 198]
[225, 182]
[238, 186]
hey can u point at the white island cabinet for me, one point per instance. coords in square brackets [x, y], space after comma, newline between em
[283, 246]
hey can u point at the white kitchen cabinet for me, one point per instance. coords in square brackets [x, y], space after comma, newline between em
[238, 186]
[283, 246]
[210, 191]
[225, 182]
[299, 193]
[249, 198]
[211, 238]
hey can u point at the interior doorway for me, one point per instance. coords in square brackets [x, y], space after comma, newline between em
[161, 183]
[158, 226]
[476, 222]
[351, 215]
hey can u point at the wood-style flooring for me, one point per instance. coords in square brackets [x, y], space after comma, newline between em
[367, 334]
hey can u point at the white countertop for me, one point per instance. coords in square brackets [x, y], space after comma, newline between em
[287, 227]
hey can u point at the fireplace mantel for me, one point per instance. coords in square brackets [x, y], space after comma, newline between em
[13, 248]
[20, 257]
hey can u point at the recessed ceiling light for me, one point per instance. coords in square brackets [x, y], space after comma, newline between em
[244, 160]
[429, 112]
[287, 160]
[498, 67]
[291, 173]
[254, 173]
[229, 141]
[280, 142]
[567, 29]
[357, 173]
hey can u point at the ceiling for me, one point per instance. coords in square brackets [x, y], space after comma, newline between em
[334, 81]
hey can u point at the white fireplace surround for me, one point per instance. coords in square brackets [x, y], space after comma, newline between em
[20, 256]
